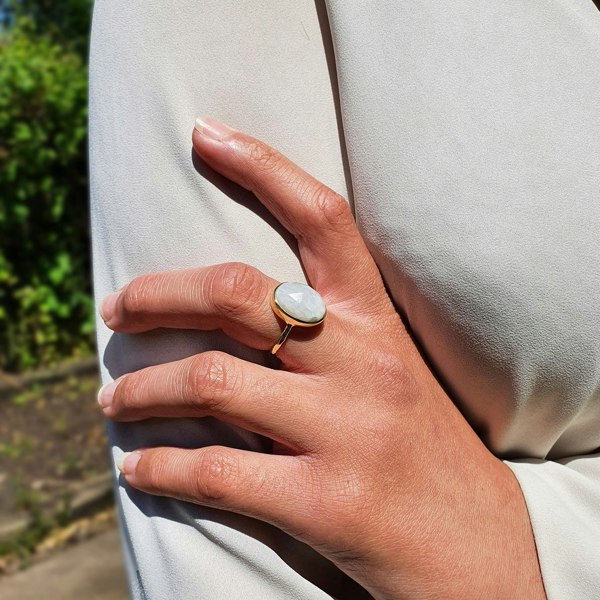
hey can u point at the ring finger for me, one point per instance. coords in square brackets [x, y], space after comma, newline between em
[280, 405]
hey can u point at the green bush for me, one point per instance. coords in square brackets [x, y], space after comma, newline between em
[67, 21]
[45, 303]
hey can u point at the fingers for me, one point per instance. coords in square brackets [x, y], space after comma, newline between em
[231, 294]
[333, 253]
[233, 297]
[276, 404]
[269, 488]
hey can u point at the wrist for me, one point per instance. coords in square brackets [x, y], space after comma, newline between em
[480, 546]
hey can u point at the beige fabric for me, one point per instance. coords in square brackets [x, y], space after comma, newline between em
[473, 137]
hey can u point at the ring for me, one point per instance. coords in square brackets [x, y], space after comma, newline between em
[296, 304]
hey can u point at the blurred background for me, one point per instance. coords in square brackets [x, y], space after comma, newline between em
[58, 536]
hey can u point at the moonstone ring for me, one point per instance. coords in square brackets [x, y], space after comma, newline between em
[296, 304]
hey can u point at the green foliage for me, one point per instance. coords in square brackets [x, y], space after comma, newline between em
[66, 22]
[45, 304]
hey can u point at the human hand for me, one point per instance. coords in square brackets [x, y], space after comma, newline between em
[373, 465]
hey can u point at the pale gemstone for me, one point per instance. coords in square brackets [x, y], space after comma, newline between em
[300, 302]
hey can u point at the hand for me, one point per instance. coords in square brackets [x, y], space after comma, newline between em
[373, 465]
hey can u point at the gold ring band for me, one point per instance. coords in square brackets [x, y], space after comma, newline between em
[296, 304]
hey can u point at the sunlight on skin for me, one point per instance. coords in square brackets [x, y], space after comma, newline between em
[375, 467]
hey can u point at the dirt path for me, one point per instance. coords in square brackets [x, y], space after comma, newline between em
[90, 570]
[51, 435]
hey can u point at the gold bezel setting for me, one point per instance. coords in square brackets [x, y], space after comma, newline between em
[288, 319]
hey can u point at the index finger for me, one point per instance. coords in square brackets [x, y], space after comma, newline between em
[333, 252]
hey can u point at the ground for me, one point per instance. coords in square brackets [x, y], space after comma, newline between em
[55, 483]
[98, 575]
[52, 442]
[50, 436]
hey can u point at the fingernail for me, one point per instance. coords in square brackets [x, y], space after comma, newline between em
[106, 393]
[107, 308]
[212, 129]
[128, 462]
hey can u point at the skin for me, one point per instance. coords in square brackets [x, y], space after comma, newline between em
[372, 464]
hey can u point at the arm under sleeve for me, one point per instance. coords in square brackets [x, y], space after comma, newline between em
[473, 136]
[473, 140]
[563, 497]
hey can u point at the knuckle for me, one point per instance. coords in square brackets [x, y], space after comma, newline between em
[138, 294]
[235, 286]
[266, 158]
[216, 473]
[212, 380]
[330, 209]
[398, 394]
[389, 367]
